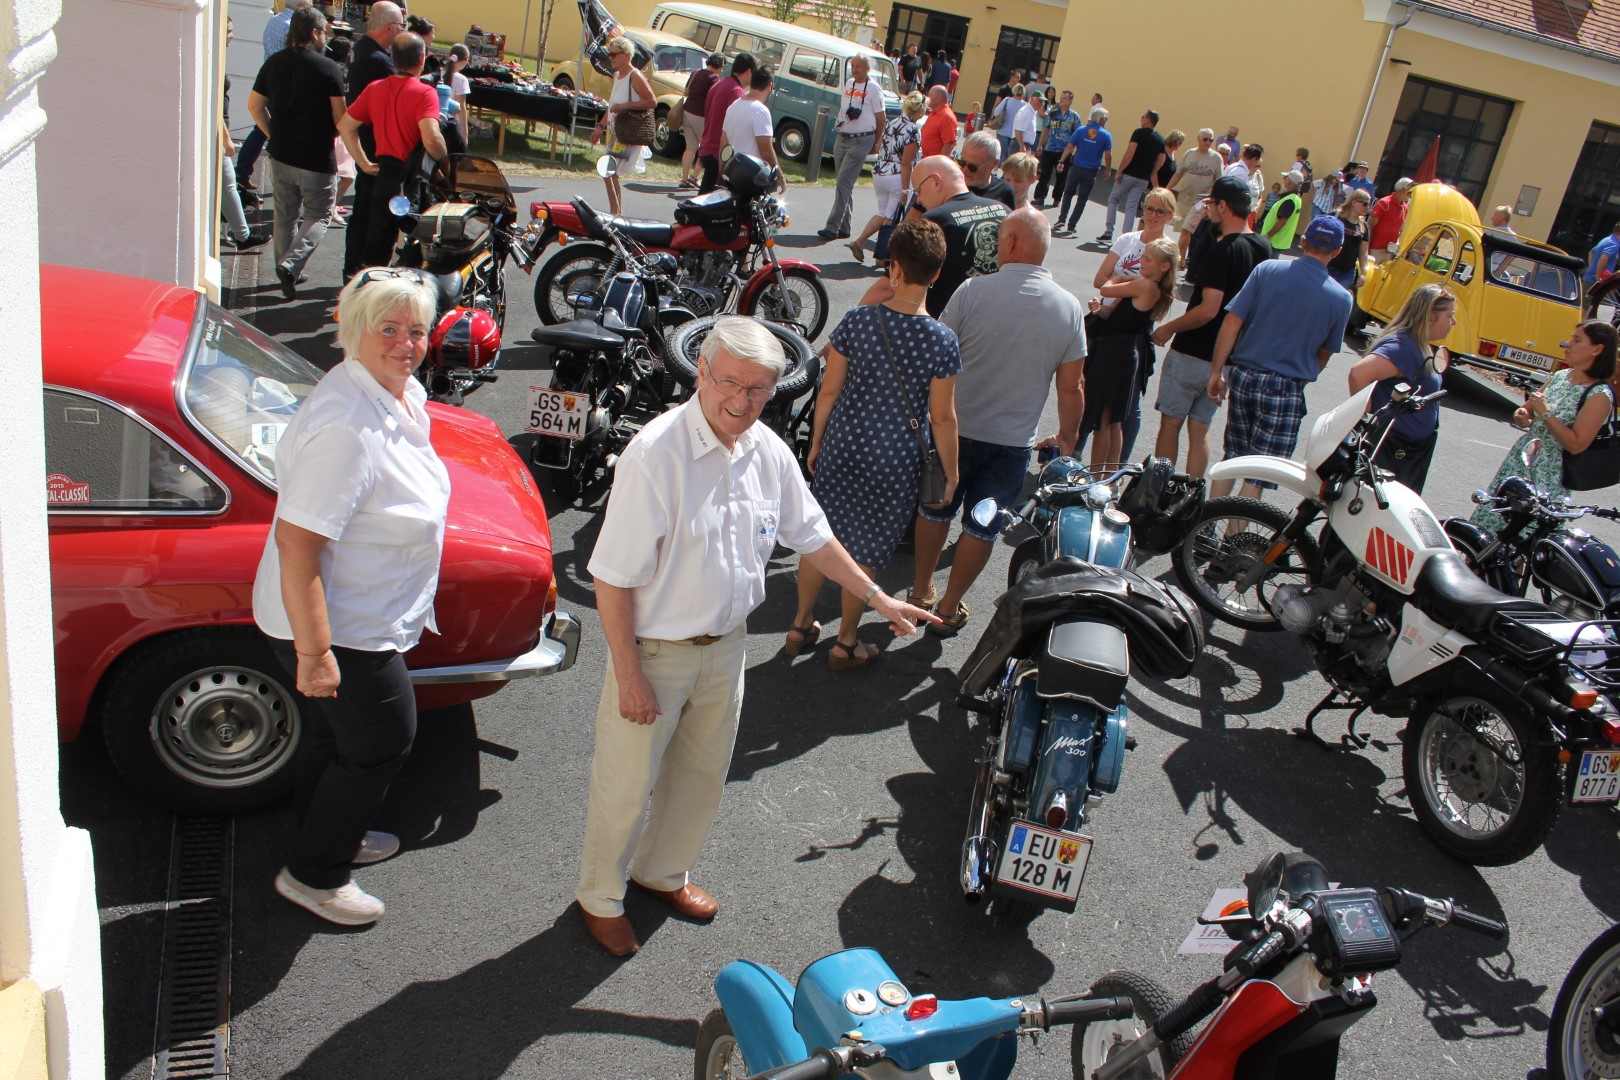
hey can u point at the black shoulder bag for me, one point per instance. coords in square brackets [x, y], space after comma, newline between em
[1598, 466]
[931, 485]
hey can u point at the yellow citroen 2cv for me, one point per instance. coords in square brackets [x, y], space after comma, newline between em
[1517, 299]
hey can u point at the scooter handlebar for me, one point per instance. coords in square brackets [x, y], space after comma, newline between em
[1083, 1011]
[827, 1064]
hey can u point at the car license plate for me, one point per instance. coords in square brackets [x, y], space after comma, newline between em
[1598, 780]
[558, 413]
[1520, 356]
[1044, 861]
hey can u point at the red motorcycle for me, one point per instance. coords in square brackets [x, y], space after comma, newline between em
[723, 242]
[1301, 974]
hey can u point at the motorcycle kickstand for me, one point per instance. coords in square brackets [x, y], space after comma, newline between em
[1330, 704]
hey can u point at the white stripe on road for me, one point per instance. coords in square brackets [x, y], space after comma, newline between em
[1482, 442]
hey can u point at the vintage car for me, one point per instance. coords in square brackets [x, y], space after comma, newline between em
[1517, 299]
[162, 413]
[673, 61]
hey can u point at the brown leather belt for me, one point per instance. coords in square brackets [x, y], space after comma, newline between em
[701, 639]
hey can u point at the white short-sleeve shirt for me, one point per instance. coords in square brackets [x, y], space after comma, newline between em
[356, 466]
[690, 526]
[746, 121]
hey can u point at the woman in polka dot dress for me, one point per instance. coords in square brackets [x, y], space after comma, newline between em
[864, 456]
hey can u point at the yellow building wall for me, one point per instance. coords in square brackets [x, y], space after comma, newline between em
[22, 1032]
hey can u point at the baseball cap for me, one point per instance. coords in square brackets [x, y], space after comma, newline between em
[1358, 164]
[1296, 176]
[1325, 231]
[1234, 193]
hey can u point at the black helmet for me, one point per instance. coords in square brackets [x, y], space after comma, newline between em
[1163, 506]
[748, 176]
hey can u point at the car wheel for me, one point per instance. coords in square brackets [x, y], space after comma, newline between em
[793, 140]
[563, 82]
[667, 142]
[204, 721]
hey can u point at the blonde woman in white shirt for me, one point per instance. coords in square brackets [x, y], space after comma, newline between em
[347, 580]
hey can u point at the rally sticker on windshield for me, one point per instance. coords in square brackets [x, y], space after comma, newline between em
[62, 490]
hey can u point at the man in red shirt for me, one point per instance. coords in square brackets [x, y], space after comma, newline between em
[939, 130]
[721, 94]
[950, 88]
[1388, 215]
[403, 113]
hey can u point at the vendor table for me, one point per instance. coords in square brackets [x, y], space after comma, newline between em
[543, 106]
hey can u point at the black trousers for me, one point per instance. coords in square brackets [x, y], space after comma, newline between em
[351, 748]
[1049, 177]
[711, 174]
[354, 240]
[382, 227]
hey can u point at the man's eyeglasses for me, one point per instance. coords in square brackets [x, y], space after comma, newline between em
[731, 388]
[974, 166]
[384, 273]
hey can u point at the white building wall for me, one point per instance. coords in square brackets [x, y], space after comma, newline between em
[48, 925]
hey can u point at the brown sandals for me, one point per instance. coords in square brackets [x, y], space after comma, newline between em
[808, 636]
[857, 655]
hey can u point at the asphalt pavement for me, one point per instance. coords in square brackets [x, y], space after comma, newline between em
[841, 824]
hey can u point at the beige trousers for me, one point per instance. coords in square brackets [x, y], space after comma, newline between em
[679, 762]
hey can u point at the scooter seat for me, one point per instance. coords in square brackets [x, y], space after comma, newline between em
[580, 335]
[1448, 590]
[644, 231]
[1088, 660]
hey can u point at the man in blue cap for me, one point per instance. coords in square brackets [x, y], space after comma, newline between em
[1295, 316]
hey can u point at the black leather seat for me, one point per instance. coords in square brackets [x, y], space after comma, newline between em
[580, 335]
[1448, 590]
[1086, 659]
[644, 231]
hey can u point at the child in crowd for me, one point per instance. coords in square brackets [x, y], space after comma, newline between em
[1020, 171]
[1114, 334]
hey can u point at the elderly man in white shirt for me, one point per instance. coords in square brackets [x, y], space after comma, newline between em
[701, 498]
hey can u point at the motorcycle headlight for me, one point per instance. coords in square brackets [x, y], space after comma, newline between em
[662, 262]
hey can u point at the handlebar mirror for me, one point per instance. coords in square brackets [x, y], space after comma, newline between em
[1532, 450]
[984, 512]
[607, 165]
[399, 206]
[1265, 881]
[1481, 497]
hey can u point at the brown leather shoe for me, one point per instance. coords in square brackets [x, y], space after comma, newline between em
[689, 900]
[615, 934]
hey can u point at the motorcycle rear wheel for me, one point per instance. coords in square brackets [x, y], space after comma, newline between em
[685, 340]
[573, 269]
[1484, 786]
[802, 305]
[718, 1056]
[1027, 558]
[1231, 534]
[1577, 1045]
[1096, 1042]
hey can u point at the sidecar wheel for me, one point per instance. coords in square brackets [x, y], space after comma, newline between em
[718, 1056]
[803, 365]
[1578, 1045]
[1096, 1042]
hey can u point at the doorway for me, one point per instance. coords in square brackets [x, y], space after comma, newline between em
[1591, 203]
[1021, 50]
[930, 31]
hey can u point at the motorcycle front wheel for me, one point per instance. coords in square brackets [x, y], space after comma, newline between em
[1483, 785]
[1579, 1045]
[1095, 1043]
[1233, 535]
[574, 269]
[718, 1056]
[800, 302]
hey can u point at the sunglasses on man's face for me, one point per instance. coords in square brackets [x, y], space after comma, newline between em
[974, 166]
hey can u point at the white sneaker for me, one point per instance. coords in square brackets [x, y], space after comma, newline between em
[376, 847]
[349, 905]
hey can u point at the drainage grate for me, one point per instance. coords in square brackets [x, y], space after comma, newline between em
[194, 994]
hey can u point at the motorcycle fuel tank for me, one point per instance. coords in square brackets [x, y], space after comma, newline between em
[1395, 543]
[1579, 566]
[626, 295]
[1096, 536]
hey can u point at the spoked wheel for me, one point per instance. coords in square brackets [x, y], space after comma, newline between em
[718, 1057]
[800, 302]
[1482, 785]
[1095, 1043]
[1584, 1039]
[1231, 539]
[575, 270]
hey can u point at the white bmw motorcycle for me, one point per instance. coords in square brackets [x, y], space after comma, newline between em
[1510, 704]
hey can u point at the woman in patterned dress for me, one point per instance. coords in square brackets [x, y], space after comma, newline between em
[1566, 415]
[865, 459]
[891, 176]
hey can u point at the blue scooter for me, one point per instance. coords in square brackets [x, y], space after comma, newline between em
[851, 1015]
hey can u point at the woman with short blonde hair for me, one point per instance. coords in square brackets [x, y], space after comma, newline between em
[891, 176]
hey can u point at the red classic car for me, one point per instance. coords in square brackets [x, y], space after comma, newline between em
[162, 413]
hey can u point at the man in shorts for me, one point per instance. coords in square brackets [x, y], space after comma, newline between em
[1020, 334]
[1184, 378]
[1280, 331]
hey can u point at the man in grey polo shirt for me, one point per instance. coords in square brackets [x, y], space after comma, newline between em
[1020, 334]
[859, 121]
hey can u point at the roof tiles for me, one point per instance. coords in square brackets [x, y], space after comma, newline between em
[1591, 24]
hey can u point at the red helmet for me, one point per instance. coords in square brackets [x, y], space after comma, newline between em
[465, 338]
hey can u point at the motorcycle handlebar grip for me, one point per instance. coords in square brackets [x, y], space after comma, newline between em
[1085, 1010]
[1479, 924]
[822, 1065]
[1198, 1004]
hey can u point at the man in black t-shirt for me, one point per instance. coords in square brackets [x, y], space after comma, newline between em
[371, 62]
[972, 227]
[910, 65]
[1184, 379]
[981, 153]
[297, 101]
[1143, 157]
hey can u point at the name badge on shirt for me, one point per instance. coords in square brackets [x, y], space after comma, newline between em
[766, 529]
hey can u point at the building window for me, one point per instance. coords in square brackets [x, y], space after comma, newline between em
[1469, 125]
[1591, 203]
[930, 31]
[1019, 50]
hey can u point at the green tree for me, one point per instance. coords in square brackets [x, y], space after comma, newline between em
[785, 10]
[843, 17]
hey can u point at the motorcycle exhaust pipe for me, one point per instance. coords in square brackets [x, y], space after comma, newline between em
[974, 851]
[976, 848]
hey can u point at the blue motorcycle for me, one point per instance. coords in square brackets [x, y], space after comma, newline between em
[851, 1015]
[1049, 675]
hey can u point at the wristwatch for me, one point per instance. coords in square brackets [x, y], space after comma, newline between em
[873, 591]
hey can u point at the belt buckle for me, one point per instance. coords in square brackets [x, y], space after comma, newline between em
[705, 639]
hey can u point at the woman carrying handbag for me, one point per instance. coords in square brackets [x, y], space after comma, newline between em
[629, 116]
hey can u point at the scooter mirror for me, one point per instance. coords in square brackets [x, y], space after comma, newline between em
[399, 206]
[984, 512]
[1532, 450]
[1264, 883]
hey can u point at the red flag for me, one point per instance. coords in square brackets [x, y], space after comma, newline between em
[1429, 166]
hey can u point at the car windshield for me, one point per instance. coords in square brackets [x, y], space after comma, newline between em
[677, 58]
[1532, 275]
[241, 388]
